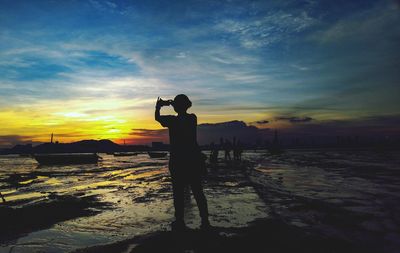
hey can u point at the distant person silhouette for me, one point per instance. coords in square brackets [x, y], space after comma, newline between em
[234, 149]
[227, 148]
[214, 153]
[185, 157]
[237, 150]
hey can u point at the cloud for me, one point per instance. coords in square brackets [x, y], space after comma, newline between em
[294, 119]
[370, 127]
[150, 133]
[146, 136]
[361, 26]
[103, 5]
[181, 55]
[11, 140]
[262, 122]
[272, 28]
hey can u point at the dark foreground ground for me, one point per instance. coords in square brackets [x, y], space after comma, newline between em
[265, 235]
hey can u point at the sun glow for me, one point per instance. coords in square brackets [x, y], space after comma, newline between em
[74, 120]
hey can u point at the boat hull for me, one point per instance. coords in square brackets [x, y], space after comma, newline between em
[52, 159]
[157, 154]
[125, 154]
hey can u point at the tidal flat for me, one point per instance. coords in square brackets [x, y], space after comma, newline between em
[311, 200]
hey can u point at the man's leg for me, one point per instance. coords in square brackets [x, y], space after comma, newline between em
[201, 200]
[178, 193]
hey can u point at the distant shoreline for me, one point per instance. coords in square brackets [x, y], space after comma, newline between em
[378, 149]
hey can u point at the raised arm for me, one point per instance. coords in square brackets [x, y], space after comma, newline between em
[195, 126]
[157, 115]
[164, 120]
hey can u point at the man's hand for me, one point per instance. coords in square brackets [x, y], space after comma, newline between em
[158, 103]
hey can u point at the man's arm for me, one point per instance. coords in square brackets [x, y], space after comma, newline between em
[165, 120]
[195, 126]
[157, 115]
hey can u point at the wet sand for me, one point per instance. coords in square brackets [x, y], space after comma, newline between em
[16, 222]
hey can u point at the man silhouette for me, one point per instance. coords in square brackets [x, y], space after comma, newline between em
[184, 164]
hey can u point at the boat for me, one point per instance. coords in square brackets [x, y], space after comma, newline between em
[52, 159]
[157, 154]
[125, 154]
[25, 155]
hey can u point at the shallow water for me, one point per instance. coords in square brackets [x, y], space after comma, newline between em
[352, 195]
[137, 190]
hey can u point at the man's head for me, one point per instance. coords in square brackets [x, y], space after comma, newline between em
[181, 103]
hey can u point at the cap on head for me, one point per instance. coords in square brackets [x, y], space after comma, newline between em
[182, 102]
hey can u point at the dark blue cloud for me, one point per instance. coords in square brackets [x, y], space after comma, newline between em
[295, 119]
[33, 68]
[262, 122]
[102, 60]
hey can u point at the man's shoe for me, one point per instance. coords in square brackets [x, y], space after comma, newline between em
[205, 225]
[178, 226]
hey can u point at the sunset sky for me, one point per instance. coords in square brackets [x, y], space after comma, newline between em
[94, 69]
